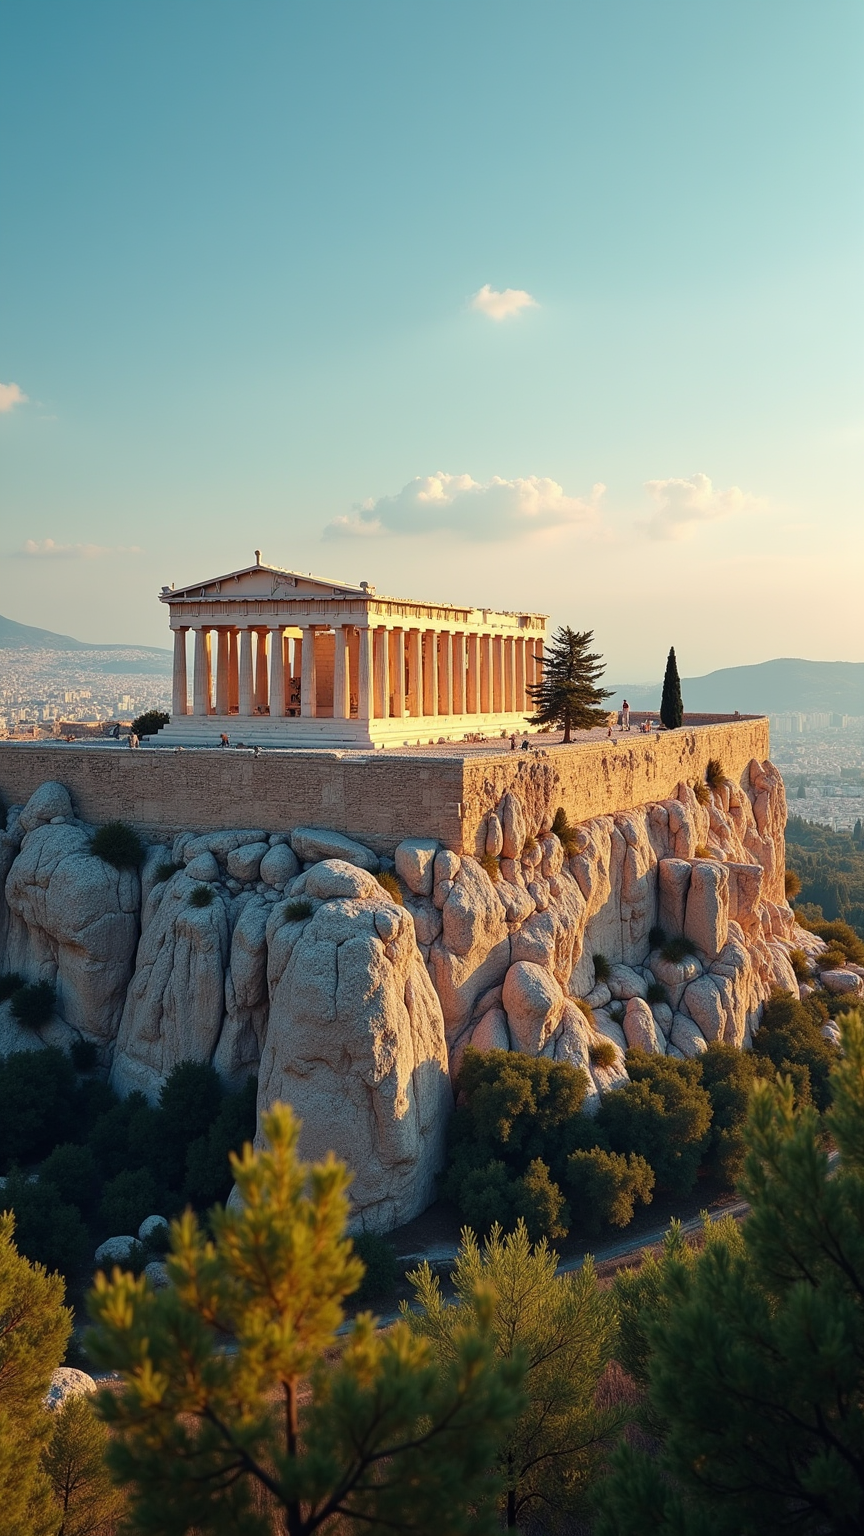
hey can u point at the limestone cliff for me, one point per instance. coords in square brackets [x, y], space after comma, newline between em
[284, 956]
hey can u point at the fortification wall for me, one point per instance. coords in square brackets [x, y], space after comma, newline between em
[379, 798]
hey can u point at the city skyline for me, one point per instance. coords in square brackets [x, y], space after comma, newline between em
[558, 311]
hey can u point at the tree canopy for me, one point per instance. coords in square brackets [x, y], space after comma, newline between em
[213, 1439]
[567, 694]
[671, 703]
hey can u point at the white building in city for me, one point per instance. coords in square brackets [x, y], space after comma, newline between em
[285, 659]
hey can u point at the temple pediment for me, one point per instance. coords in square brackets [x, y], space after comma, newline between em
[261, 582]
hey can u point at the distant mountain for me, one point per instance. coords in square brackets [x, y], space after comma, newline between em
[769, 687]
[24, 637]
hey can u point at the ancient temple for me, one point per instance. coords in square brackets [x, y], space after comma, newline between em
[290, 660]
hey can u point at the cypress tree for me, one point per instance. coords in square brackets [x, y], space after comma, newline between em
[671, 704]
[567, 694]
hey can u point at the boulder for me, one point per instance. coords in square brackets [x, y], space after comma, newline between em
[687, 1037]
[534, 1003]
[355, 1043]
[156, 1274]
[47, 803]
[494, 835]
[624, 983]
[514, 828]
[313, 843]
[706, 920]
[491, 1034]
[606, 1026]
[335, 877]
[415, 860]
[842, 981]
[705, 1006]
[244, 863]
[187, 846]
[278, 866]
[150, 1225]
[640, 1030]
[673, 886]
[67, 1382]
[114, 1250]
[203, 867]
[663, 1016]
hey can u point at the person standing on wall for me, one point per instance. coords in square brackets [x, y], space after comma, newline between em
[625, 716]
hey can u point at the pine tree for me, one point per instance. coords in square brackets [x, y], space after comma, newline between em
[756, 1355]
[34, 1327]
[567, 694]
[671, 704]
[563, 1329]
[85, 1498]
[388, 1436]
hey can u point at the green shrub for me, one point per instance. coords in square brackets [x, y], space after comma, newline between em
[208, 1176]
[602, 1053]
[382, 1269]
[530, 845]
[840, 934]
[37, 1104]
[727, 1075]
[568, 836]
[202, 896]
[604, 1186]
[586, 1009]
[33, 1005]
[657, 937]
[150, 722]
[701, 791]
[48, 1230]
[493, 869]
[800, 964]
[538, 1200]
[295, 911]
[164, 871]
[74, 1173]
[126, 1200]
[663, 1114]
[791, 885]
[118, 844]
[389, 882]
[84, 1055]
[655, 992]
[10, 982]
[602, 968]
[790, 1037]
[677, 949]
[715, 777]
[190, 1102]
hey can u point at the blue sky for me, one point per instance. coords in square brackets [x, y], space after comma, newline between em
[243, 248]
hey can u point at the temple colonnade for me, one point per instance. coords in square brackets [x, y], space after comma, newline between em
[353, 672]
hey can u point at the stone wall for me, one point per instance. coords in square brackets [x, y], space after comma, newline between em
[376, 797]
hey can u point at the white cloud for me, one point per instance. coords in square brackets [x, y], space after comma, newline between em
[682, 504]
[47, 549]
[501, 305]
[10, 396]
[456, 504]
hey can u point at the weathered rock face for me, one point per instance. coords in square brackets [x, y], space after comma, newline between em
[355, 1043]
[282, 955]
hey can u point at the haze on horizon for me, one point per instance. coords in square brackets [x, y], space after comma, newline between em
[552, 307]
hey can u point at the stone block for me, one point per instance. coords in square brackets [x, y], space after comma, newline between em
[706, 920]
[313, 843]
[673, 885]
[415, 863]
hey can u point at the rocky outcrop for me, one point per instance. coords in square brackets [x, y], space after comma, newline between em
[282, 955]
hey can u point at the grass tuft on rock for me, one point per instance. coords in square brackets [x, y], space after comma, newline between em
[715, 776]
[677, 949]
[602, 968]
[299, 909]
[202, 896]
[9, 983]
[602, 1053]
[33, 1005]
[118, 844]
[389, 882]
[491, 866]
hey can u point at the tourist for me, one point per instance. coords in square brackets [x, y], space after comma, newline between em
[525, 746]
[133, 741]
[625, 716]
[513, 741]
[223, 739]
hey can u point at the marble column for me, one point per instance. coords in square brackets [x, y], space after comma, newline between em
[341, 675]
[365, 680]
[286, 673]
[445, 674]
[472, 701]
[262, 688]
[245, 683]
[509, 674]
[382, 674]
[458, 674]
[415, 673]
[397, 672]
[521, 700]
[497, 674]
[202, 683]
[308, 677]
[430, 672]
[222, 672]
[233, 670]
[277, 672]
[180, 685]
[538, 661]
[485, 674]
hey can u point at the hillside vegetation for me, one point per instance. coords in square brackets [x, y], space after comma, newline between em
[830, 866]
